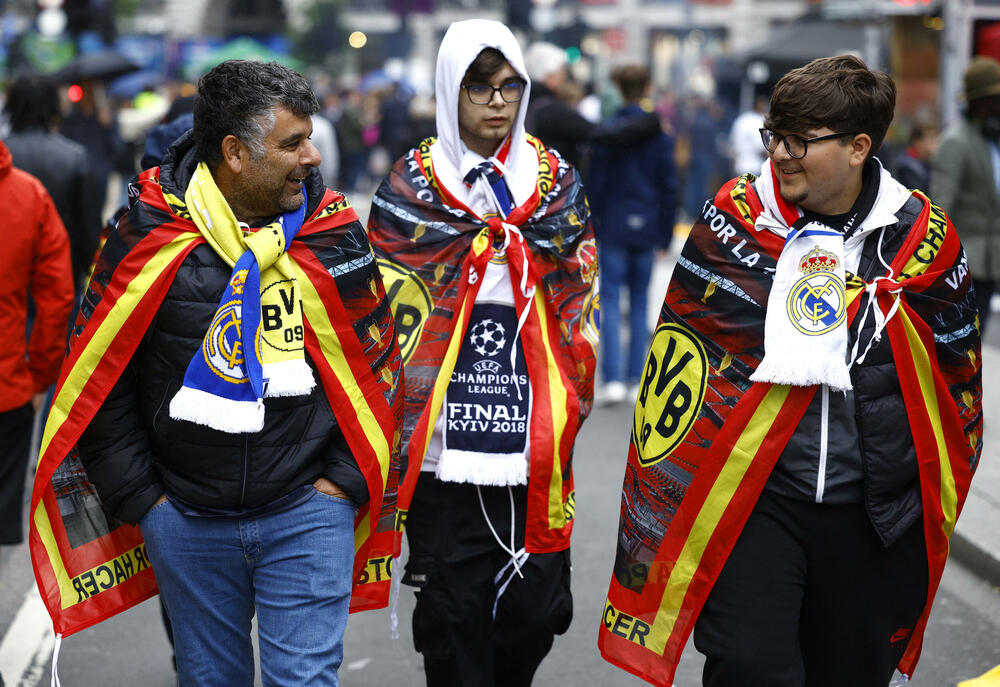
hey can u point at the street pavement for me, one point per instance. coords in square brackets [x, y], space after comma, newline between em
[962, 641]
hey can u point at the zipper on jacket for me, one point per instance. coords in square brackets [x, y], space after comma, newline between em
[824, 431]
[246, 466]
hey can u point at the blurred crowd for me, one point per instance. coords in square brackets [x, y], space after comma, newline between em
[362, 128]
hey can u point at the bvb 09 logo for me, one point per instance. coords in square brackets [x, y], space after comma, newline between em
[410, 301]
[671, 393]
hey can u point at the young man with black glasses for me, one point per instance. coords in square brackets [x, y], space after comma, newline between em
[810, 416]
[487, 250]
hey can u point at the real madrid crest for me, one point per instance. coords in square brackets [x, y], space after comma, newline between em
[817, 302]
[223, 347]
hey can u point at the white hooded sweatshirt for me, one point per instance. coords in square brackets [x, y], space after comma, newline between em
[452, 159]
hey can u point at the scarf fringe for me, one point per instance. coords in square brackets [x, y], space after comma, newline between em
[222, 414]
[288, 378]
[796, 370]
[486, 470]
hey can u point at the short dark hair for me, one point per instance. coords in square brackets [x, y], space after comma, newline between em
[238, 97]
[632, 80]
[32, 103]
[487, 63]
[840, 93]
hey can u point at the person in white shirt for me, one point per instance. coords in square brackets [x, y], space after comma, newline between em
[744, 138]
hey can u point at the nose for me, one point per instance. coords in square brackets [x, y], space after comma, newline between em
[496, 99]
[781, 152]
[310, 157]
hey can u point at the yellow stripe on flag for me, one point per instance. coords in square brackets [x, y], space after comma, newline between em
[557, 410]
[44, 528]
[362, 531]
[116, 318]
[925, 378]
[444, 376]
[329, 342]
[711, 512]
[78, 377]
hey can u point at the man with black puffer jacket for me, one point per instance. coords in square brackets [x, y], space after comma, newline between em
[253, 426]
[810, 416]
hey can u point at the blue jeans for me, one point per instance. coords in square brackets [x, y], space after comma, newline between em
[631, 268]
[294, 567]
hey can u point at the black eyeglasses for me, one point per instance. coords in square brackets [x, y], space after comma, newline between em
[795, 145]
[482, 93]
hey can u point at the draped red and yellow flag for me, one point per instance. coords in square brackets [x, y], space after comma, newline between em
[89, 567]
[705, 438]
[433, 252]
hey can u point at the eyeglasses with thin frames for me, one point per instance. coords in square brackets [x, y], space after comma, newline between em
[482, 93]
[795, 145]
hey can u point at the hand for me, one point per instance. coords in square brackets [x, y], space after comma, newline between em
[327, 487]
[37, 401]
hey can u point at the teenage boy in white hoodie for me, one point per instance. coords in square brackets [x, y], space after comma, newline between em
[484, 238]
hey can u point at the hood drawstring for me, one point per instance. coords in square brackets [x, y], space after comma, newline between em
[881, 320]
[527, 292]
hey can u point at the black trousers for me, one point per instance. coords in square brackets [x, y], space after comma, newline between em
[453, 561]
[810, 597]
[15, 446]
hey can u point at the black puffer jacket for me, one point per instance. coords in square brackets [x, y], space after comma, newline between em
[63, 168]
[133, 451]
[889, 458]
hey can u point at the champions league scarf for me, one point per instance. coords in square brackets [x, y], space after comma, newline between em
[705, 436]
[88, 567]
[433, 252]
[226, 381]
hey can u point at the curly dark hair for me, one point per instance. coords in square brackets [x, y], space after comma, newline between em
[32, 103]
[840, 93]
[238, 97]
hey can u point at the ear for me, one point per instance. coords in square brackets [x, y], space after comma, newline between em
[860, 147]
[234, 154]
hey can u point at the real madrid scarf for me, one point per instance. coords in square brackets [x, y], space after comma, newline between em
[805, 333]
[226, 381]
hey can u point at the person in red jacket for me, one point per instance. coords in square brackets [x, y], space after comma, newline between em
[35, 258]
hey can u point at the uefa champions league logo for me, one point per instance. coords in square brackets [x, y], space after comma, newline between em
[488, 337]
